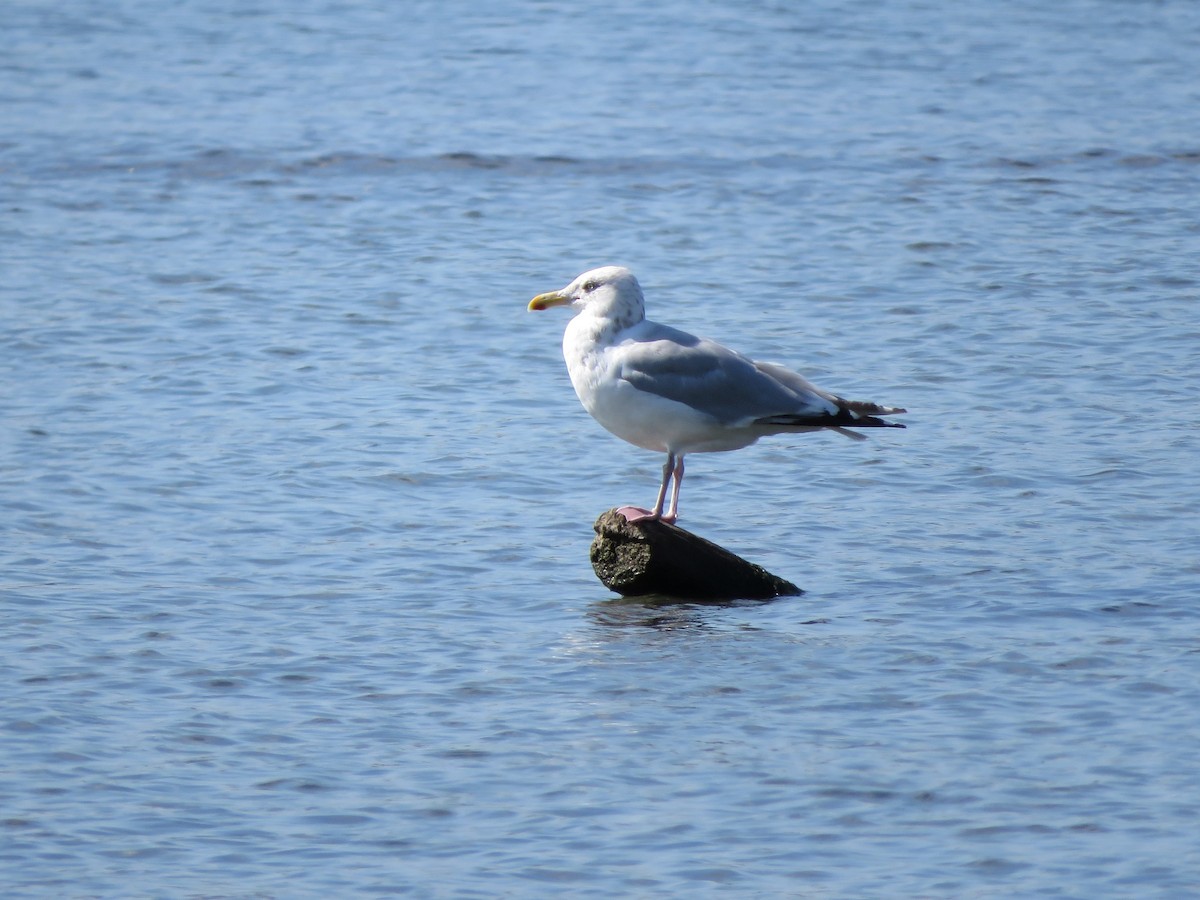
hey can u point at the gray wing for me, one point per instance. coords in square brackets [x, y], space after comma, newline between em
[731, 388]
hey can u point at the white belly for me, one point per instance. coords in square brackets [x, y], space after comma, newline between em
[652, 422]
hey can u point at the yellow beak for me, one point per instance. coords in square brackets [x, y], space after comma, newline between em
[547, 300]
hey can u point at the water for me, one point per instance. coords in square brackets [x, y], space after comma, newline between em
[297, 498]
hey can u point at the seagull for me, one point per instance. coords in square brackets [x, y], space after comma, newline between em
[665, 390]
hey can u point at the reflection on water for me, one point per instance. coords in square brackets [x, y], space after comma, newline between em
[660, 611]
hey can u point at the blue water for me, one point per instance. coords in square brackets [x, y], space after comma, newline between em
[296, 497]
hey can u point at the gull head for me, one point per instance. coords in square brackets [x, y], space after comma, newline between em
[610, 293]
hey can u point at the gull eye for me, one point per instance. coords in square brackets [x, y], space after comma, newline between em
[589, 287]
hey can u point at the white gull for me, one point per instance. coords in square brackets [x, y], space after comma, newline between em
[666, 390]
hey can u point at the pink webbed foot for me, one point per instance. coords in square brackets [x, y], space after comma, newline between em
[634, 514]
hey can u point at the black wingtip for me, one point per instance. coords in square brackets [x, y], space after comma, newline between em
[843, 419]
[872, 422]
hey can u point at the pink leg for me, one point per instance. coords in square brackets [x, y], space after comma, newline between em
[668, 471]
[673, 514]
[638, 514]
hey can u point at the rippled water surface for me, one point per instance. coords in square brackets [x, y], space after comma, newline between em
[297, 497]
